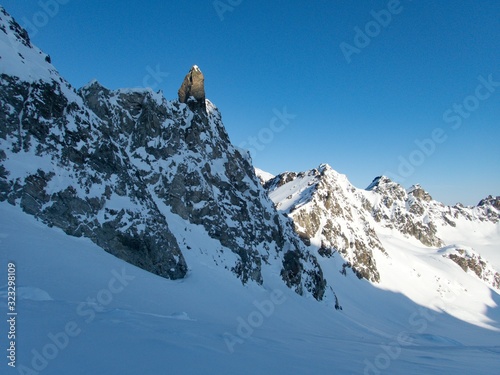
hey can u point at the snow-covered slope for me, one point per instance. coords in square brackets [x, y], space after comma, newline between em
[123, 320]
[28, 63]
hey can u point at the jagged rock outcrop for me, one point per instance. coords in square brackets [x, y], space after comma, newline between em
[319, 202]
[404, 210]
[470, 261]
[490, 200]
[192, 90]
[416, 214]
[114, 165]
[336, 218]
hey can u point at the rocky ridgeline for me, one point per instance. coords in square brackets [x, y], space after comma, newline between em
[336, 217]
[320, 202]
[416, 214]
[60, 163]
[111, 165]
[404, 211]
[183, 154]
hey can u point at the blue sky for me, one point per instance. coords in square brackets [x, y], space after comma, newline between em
[417, 100]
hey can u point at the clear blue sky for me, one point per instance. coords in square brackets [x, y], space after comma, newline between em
[260, 56]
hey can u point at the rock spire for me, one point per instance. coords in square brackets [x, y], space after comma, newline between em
[192, 90]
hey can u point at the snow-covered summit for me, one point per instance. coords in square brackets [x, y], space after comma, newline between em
[493, 202]
[263, 176]
[28, 63]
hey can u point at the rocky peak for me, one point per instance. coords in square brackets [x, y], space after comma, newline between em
[324, 168]
[377, 181]
[490, 201]
[192, 90]
[418, 192]
[93, 85]
[383, 184]
[390, 192]
[321, 202]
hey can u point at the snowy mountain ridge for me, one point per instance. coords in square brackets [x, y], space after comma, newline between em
[335, 217]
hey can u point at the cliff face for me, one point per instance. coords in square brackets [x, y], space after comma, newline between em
[61, 163]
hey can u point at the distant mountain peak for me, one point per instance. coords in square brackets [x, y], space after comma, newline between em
[263, 176]
[388, 188]
[379, 180]
[93, 83]
[418, 192]
[490, 200]
[324, 167]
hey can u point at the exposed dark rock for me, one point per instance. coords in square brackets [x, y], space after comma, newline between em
[419, 193]
[46, 130]
[468, 260]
